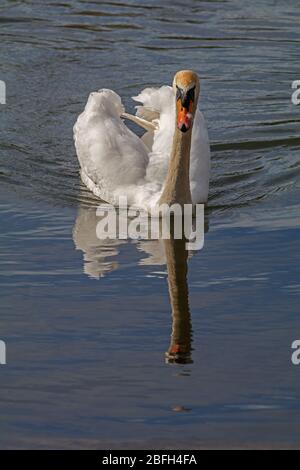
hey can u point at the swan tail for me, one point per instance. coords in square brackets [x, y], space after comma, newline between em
[154, 102]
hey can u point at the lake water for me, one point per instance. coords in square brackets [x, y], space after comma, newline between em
[88, 324]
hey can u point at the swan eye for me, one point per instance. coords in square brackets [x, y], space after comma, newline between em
[191, 94]
[178, 93]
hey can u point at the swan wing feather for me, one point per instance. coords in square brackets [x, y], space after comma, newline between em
[110, 154]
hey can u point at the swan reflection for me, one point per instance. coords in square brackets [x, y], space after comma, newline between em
[100, 257]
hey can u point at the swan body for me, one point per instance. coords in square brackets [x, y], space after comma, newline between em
[116, 162]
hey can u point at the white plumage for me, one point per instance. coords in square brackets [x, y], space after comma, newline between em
[116, 162]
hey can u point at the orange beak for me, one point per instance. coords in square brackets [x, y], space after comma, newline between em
[184, 116]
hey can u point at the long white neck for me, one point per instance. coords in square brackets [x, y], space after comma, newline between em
[177, 185]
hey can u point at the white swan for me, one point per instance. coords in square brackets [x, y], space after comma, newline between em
[169, 164]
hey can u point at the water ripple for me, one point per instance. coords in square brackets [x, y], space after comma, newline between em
[67, 52]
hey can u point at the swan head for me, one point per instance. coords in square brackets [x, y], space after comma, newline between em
[186, 85]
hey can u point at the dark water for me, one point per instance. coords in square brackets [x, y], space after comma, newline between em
[88, 324]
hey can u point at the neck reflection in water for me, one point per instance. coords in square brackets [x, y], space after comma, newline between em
[100, 258]
[181, 340]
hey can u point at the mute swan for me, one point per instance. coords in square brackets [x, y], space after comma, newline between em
[169, 164]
